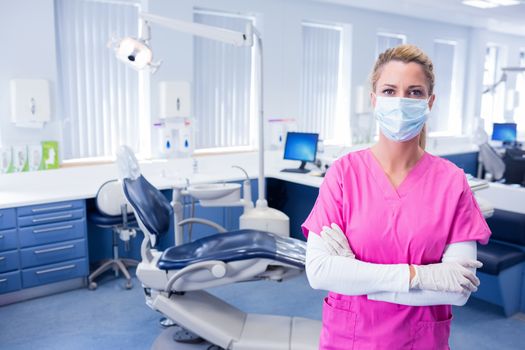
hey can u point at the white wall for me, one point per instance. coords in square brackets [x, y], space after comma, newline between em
[280, 24]
[28, 52]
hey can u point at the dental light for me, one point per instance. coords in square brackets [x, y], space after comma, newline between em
[134, 52]
[137, 54]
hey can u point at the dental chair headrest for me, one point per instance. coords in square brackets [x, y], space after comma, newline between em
[150, 205]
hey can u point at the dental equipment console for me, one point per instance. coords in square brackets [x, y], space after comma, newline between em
[300, 146]
[174, 280]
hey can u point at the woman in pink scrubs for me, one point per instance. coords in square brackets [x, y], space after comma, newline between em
[408, 220]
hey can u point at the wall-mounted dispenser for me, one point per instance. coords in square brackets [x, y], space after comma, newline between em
[30, 102]
[177, 126]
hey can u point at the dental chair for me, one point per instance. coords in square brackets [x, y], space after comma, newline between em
[174, 280]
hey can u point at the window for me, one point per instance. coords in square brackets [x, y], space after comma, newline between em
[493, 97]
[519, 112]
[224, 91]
[322, 83]
[445, 116]
[101, 98]
[388, 40]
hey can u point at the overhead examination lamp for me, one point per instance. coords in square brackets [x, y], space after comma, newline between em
[136, 53]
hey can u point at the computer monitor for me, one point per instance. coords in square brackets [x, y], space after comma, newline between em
[300, 146]
[514, 166]
[505, 132]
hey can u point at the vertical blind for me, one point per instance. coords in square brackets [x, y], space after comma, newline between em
[387, 40]
[492, 103]
[100, 96]
[321, 66]
[223, 89]
[444, 111]
[519, 112]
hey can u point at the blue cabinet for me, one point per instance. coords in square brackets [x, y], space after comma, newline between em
[54, 273]
[7, 219]
[42, 244]
[9, 260]
[8, 240]
[10, 282]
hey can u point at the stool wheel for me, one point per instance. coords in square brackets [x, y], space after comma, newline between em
[92, 285]
[128, 285]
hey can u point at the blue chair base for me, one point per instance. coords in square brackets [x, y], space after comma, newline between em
[504, 289]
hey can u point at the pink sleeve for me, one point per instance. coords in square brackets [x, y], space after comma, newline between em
[328, 207]
[468, 223]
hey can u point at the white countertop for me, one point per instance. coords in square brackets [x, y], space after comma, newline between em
[82, 182]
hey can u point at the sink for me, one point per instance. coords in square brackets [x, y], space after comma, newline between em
[213, 191]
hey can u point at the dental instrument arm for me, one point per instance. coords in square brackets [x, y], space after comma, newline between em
[453, 252]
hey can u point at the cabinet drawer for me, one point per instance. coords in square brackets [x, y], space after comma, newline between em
[10, 282]
[43, 234]
[50, 208]
[54, 273]
[50, 217]
[8, 240]
[7, 218]
[9, 261]
[52, 253]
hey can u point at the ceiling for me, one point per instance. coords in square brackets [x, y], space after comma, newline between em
[505, 19]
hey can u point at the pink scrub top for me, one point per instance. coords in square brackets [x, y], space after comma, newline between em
[431, 208]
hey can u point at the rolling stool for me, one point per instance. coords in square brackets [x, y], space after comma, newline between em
[114, 212]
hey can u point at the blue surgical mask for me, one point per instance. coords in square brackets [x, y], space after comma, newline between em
[401, 119]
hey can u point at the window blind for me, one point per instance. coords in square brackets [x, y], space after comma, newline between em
[388, 40]
[444, 113]
[492, 102]
[223, 86]
[99, 95]
[321, 79]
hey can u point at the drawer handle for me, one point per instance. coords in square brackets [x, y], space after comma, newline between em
[53, 229]
[49, 250]
[1, 214]
[68, 216]
[3, 280]
[56, 207]
[2, 258]
[1, 236]
[62, 268]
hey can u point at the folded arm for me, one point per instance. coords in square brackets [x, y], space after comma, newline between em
[347, 275]
[453, 252]
[331, 265]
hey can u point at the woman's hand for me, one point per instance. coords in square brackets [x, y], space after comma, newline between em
[453, 276]
[336, 241]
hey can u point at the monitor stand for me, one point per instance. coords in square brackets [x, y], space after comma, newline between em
[300, 170]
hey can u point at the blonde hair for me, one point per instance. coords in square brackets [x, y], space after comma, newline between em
[406, 54]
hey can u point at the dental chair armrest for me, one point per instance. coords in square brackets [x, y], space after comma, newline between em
[216, 267]
[203, 222]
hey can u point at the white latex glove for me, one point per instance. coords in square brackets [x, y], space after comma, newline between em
[453, 276]
[336, 241]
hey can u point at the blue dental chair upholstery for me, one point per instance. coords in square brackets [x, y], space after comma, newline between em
[230, 246]
[149, 204]
[155, 212]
